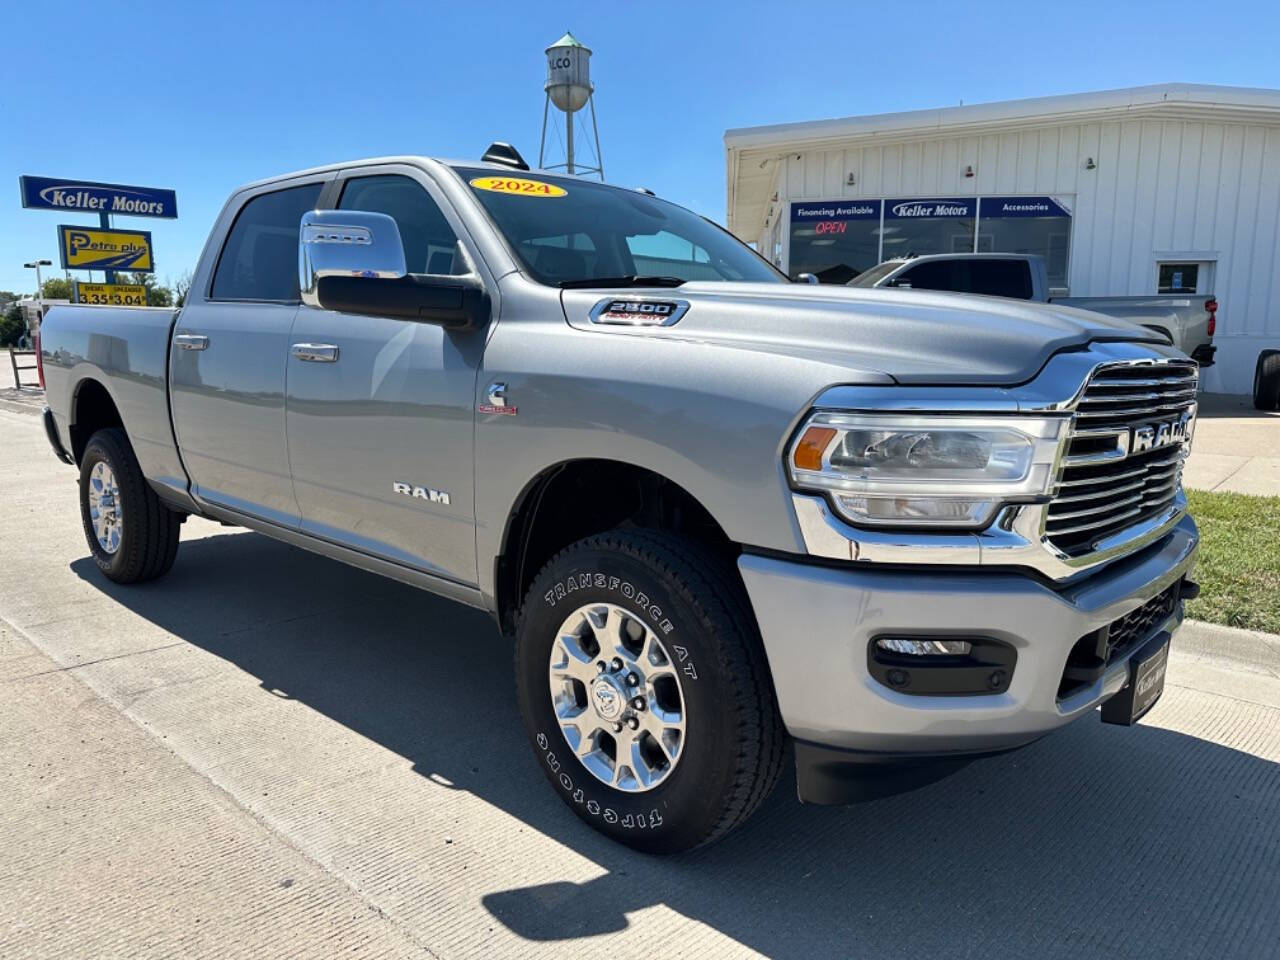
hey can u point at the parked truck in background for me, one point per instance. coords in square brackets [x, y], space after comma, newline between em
[1187, 320]
[716, 511]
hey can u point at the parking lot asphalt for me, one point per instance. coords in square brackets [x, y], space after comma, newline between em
[269, 753]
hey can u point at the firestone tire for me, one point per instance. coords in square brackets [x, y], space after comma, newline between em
[732, 748]
[1266, 381]
[138, 539]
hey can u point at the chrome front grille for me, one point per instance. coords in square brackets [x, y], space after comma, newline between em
[1123, 462]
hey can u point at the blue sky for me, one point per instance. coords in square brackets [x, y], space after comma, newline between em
[203, 97]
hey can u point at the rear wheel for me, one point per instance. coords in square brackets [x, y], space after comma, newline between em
[1266, 381]
[645, 692]
[133, 536]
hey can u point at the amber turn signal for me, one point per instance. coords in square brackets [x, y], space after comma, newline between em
[813, 444]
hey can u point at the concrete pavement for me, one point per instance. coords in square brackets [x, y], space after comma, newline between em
[114, 847]
[1236, 448]
[173, 753]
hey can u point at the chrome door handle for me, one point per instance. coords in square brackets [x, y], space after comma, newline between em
[316, 352]
[191, 341]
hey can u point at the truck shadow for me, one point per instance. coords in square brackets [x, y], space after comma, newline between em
[1095, 841]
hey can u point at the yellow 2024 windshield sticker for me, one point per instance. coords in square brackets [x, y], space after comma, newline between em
[516, 185]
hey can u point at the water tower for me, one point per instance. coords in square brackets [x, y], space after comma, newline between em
[569, 89]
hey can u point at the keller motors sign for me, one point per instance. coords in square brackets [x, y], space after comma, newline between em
[930, 209]
[85, 196]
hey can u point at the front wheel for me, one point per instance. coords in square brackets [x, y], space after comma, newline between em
[645, 692]
[133, 536]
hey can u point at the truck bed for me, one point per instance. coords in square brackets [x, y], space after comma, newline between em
[126, 349]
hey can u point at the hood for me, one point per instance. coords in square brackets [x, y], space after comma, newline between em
[916, 337]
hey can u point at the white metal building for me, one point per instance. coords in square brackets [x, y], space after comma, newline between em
[1169, 188]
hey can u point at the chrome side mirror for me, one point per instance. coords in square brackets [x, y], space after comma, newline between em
[806, 278]
[353, 262]
[347, 243]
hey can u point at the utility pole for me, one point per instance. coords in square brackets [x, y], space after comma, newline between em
[104, 221]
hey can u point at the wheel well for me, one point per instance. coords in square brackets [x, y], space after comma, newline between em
[1160, 330]
[573, 500]
[92, 410]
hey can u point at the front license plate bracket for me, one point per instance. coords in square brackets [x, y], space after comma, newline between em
[1146, 683]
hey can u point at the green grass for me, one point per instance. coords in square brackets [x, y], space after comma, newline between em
[1239, 566]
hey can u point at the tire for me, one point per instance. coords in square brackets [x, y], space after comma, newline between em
[1266, 381]
[141, 533]
[730, 752]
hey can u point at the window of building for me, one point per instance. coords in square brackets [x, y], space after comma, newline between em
[430, 245]
[835, 240]
[919, 227]
[1178, 277]
[1039, 225]
[259, 260]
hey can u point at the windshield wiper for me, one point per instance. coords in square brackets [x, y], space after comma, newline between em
[631, 281]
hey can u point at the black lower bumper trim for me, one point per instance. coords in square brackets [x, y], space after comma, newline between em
[1203, 355]
[829, 775]
[51, 431]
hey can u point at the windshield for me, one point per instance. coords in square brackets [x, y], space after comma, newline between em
[869, 278]
[570, 232]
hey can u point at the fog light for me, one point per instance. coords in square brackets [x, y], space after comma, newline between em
[925, 648]
[942, 666]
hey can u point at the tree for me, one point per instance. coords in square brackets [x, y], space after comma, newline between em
[12, 327]
[157, 295]
[56, 288]
[181, 287]
[8, 296]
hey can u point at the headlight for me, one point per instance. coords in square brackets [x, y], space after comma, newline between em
[894, 470]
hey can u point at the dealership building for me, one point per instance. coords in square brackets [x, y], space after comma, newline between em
[1162, 189]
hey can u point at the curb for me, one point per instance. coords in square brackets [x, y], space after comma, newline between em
[1251, 649]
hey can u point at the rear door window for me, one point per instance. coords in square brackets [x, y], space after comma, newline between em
[1000, 278]
[259, 260]
[990, 277]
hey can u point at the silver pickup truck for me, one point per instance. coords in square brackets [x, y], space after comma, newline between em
[718, 513]
[1187, 320]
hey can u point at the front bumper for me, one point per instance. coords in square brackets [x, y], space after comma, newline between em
[817, 622]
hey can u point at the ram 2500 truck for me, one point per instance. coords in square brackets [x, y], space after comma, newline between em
[719, 513]
[1187, 320]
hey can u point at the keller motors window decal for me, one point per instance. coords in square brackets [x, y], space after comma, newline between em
[943, 207]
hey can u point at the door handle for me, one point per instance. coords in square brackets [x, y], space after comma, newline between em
[316, 352]
[191, 341]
